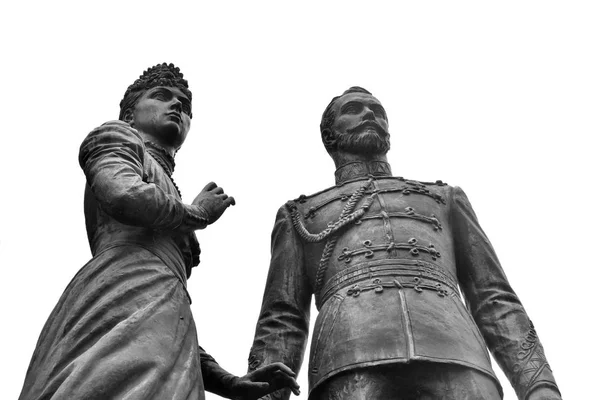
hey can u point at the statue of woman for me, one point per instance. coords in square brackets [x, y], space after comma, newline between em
[123, 327]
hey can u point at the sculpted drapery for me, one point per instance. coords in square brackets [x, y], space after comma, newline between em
[123, 326]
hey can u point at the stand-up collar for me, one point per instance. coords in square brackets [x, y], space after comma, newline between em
[359, 169]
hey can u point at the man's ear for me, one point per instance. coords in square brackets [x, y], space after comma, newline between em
[328, 139]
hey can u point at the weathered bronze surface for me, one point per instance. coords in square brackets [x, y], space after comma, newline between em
[387, 259]
[123, 327]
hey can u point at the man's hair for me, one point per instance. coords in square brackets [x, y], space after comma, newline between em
[329, 113]
[160, 75]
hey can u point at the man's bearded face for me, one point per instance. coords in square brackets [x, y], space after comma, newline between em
[361, 125]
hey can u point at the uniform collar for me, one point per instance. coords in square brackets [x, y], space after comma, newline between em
[358, 169]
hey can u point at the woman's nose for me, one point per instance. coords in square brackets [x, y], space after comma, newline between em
[176, 104]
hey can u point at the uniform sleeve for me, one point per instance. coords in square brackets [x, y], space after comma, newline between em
[500, 316]
[282, 327]
[112, 157]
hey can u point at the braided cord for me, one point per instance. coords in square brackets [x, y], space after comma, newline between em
[331, 227]
[345, 218]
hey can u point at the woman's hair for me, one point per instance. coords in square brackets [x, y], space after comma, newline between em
[160, 75]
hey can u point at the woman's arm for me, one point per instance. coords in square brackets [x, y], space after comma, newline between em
[112, 157]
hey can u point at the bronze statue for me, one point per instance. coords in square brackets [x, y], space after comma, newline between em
[123, 327]
[387, 259]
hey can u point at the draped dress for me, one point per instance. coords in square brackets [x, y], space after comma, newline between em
[123, 328]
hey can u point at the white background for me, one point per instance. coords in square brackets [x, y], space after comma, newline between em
[501, 98]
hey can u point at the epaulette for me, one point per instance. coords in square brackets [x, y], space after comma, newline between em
[303, 198]
[437, 183]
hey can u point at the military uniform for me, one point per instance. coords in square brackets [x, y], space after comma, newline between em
[387, 259]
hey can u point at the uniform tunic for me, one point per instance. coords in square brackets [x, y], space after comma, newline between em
[123, 328]
[387, 259]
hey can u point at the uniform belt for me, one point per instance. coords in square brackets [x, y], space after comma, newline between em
[419, 275]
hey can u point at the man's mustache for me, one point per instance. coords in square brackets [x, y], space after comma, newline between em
[366, 124]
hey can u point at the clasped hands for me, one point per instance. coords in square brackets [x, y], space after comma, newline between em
[212, 203]
[263, 381]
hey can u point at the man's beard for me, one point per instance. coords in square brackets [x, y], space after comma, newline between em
[364, 140]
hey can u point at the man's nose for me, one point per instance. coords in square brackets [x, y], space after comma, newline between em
[368, 115]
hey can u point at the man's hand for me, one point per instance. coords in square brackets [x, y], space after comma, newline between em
[213, 201]
[263, 381]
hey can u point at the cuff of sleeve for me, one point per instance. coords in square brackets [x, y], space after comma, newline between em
[194, 218]
[544, 385]
[542, 378]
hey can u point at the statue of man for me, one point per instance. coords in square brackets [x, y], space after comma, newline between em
[387, 259]
[123, 327]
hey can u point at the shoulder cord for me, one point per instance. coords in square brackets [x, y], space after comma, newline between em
[346, 217]
[332, 227]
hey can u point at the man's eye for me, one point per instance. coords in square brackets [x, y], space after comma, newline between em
[159, 96]
[351, 109]
[378, 111]
[187, 109]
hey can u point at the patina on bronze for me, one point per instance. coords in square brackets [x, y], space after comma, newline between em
[387, 259]
[123, 327]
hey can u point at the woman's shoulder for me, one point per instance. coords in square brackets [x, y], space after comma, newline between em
[111, 135]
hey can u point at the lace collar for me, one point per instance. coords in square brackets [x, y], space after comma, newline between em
[166, 160]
